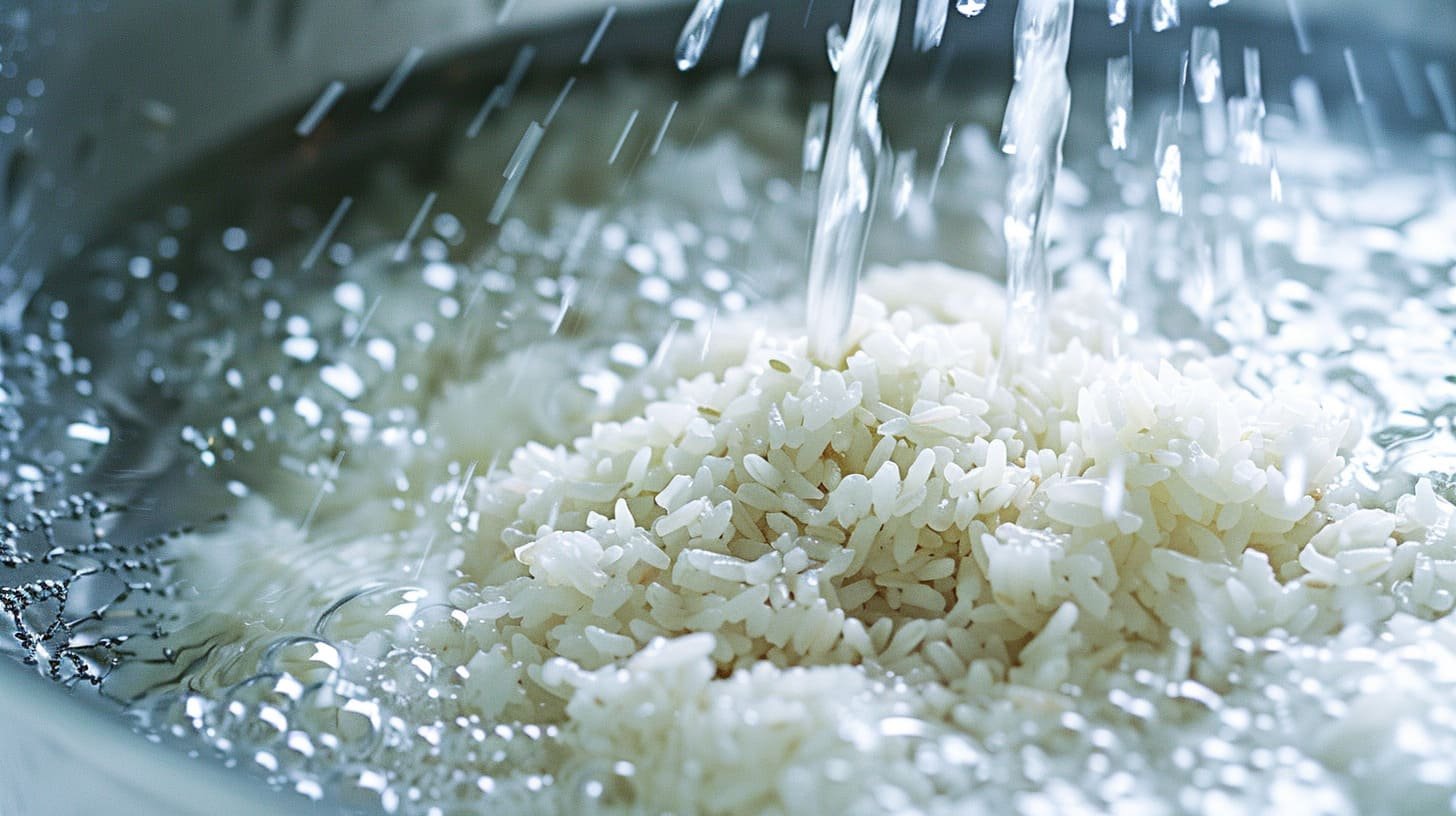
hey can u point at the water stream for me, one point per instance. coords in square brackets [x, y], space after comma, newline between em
[852, 175]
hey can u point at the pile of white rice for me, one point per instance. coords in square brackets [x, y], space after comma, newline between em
[742, 597]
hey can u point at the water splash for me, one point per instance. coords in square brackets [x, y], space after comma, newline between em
[1032, 134]
[696, 32]
[851, 175]
[929, 23]
[1119, 100]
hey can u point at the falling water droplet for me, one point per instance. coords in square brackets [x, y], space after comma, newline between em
[1207, 70]
[1116, 12]
[1253, 74]
[622, 139]
[401, 249]
[530, 140]
[1296, 19]
[558, 101]
[1119, 232]
[1246, 115]
[327, 234]
[396, 79]
[597, 35]
[88, 432]
[970, 8]
[1407, 77]
[1246, 122]
[1309, 106]
[904, 183]
[814, 134]
[515, 171]
[1440, 80]
[752, 44]
[696, 32]
[1165, 14]
[1369, 116]
[1119, 100]
[662, 129]
[1170, 166]
[319, 109]
[1276, 186]
[940, 157]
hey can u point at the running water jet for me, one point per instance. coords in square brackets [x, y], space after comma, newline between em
[1032, 134]
[851, 175]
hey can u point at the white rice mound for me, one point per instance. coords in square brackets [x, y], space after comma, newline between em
[909, 513]
[734, 589]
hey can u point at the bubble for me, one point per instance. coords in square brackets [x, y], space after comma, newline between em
[234, 239]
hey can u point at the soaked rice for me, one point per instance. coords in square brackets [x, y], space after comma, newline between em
[743, 588]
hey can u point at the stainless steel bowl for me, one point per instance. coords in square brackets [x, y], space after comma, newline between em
[111, 99]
